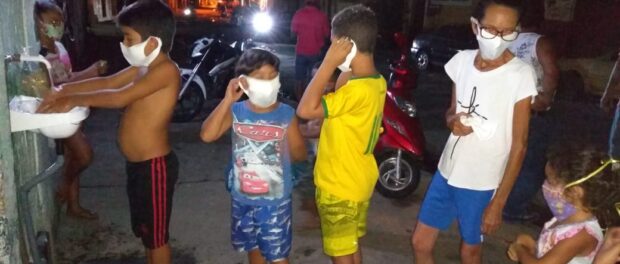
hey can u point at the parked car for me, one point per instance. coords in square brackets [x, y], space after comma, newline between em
[583, 78]
[436, 47]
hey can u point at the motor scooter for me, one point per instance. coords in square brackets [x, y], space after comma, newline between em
[214, 60]
[399, 151]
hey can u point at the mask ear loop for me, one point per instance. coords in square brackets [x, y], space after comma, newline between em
[592, 174]
[241, 84]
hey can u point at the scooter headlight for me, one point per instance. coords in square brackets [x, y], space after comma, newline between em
[262, 22]
[408, 107]
[187, 11]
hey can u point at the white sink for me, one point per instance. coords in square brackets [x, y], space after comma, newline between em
[55, 125]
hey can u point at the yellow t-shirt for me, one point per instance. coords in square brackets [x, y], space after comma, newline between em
[345, 165]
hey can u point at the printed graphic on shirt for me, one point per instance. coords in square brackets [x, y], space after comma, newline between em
[257, 152]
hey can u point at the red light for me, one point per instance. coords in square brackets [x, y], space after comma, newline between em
[398, 84]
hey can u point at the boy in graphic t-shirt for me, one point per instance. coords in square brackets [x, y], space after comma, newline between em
[265, 141]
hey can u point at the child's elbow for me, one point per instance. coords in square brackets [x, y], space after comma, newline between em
[207, 139]
[305, 113]
[301, 113]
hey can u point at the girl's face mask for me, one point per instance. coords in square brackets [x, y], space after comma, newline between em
[559, 206]
[52, 31]
[262, 93]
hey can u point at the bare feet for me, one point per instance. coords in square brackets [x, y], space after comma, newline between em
[81, 213]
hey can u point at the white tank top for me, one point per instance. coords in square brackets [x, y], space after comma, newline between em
[524, 47]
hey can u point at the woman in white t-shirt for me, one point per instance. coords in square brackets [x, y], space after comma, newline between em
[488, 117]
[77, 151]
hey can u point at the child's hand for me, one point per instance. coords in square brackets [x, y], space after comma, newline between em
[337, 52]
[234, 91]
[457, 128]
[55, 103]
[527, 242]
[102, 67]
[512, 252]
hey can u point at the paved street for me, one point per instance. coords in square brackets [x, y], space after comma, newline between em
[200, 225]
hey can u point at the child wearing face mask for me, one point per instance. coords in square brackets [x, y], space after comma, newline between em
[265, 141]
[49, 21]
[147, 90]
[346, 170]
[581, 190]
[77, 151]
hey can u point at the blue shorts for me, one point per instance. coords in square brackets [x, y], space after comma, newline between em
[267, 228]
[303, 66]
[443, 203]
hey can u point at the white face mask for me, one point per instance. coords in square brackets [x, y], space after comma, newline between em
[136, 56]
[490, 49]
[262, 93]
[346, 65]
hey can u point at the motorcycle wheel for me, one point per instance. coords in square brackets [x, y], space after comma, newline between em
[189, 105]
[388, 184]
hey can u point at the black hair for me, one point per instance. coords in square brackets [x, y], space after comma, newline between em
[44, 6]
[150, 18]
[255, 58]
[358, 23]
[574, 160]
[482, 6]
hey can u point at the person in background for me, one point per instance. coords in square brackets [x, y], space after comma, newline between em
[608, 101]
[311, 27]
[49, 22]
[537, 50]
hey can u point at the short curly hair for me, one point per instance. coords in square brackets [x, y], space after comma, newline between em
[254, 59]
[572, 161]
[358, 23]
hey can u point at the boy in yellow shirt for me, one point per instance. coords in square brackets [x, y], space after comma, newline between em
[346, 171]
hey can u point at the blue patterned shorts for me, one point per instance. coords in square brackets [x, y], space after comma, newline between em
[267, 228]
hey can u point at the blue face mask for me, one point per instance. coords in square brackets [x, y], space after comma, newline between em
[52, 31]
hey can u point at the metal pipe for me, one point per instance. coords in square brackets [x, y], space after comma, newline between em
[24, 207]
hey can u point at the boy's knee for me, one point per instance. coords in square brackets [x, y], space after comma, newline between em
[421, 244]
[470, 252]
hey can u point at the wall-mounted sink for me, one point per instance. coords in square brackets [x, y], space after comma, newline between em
[54, 125]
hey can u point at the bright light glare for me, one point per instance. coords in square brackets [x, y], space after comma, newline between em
[262, 22]
[187, 11]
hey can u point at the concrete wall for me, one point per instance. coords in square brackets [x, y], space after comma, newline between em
[24, 154]
[441, 15]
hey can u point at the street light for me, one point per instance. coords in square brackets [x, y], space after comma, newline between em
[262, 22]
